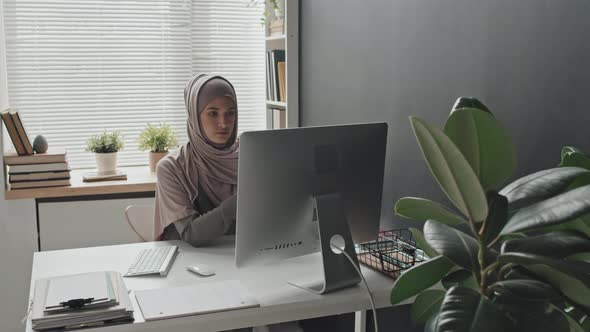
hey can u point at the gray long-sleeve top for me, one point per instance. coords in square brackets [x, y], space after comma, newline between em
[198, 229]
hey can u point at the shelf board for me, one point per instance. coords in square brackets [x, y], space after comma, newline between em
[279, 105]
[273, 38]
[139, 179]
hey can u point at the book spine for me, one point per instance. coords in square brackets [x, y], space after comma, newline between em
[282, 80]
[268, 89]
[12, 181]
[40, 184]
[273, 76]
[278, 56]
[22, 133]
[36, 168]
[11, 128]
[33, 159]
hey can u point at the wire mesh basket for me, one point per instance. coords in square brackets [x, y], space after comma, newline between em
[393, 252]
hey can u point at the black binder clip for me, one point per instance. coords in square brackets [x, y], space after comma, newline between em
[76, 303]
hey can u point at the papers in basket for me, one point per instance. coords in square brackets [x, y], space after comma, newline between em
[100, 298]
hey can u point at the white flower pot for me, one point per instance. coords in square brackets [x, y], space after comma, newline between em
[106, 162]
[154, 158]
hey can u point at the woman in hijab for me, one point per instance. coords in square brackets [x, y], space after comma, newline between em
[196, 185]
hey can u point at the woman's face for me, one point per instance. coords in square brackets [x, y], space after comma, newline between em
[218, 120]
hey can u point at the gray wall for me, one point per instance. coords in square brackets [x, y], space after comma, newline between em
[383, 60]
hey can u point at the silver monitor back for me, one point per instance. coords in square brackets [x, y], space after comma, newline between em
[281, 171]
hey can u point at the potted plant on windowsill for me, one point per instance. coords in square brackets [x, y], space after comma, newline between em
[158, 140]
[508, 259]
[105, 147]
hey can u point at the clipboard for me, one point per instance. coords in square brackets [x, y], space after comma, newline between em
[95, 287]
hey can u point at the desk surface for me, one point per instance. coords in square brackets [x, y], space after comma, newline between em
[279, 301]
[139, 179]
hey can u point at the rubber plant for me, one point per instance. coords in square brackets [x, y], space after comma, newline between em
[502, 259]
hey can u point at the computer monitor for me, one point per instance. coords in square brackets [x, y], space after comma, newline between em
[299, 187]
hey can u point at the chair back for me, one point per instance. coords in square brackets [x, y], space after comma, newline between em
[141, 220]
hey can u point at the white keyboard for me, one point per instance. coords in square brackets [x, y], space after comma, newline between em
[153, 261]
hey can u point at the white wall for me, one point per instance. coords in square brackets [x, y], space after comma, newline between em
[18, 242]
[17, 236]
[3, 83]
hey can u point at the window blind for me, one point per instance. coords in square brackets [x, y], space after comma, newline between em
[78, 68]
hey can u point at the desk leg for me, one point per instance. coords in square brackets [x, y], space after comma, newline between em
[360, 321]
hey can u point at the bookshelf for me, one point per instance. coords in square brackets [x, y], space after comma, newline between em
[282, 45]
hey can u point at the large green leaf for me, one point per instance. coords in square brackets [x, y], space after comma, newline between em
[536, 317]
[540, 185]
[462, 278]
[485, 144]
[465, 310]
[419, 278]
[469, 102]
[576, 313]
[421, 209]
[574, 316]
[421, 242]
[552, 211]
[497, 216]
[526, 289]
[576, 289]
[426, 305]
[555, 244]
[580, 224]
[451, 170]
[572, 268]
[574, 325]
[583, 256]
[575, 159]
[516, 273]
[569, 149]
[580, 181]
[459, 247]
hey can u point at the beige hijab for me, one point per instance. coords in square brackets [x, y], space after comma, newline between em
[198, 164]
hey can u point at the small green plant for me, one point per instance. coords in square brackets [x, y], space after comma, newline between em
[508, 259]
[106, 142]
[157, 138]
[273, 4]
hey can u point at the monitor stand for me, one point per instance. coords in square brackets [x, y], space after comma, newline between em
[333, 229]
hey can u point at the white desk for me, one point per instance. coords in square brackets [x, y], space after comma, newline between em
[279, 302]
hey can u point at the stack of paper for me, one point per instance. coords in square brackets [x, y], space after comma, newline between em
[105, 292]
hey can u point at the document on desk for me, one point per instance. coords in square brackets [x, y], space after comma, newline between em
[195, 299]
[95, 285]
[115, 309]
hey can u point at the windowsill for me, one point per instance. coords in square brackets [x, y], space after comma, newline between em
[139, 179]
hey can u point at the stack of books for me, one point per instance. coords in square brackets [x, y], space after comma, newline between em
[50, 169]
[80, 301]
[276, 75]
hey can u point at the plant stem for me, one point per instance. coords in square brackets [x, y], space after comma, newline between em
[494, 241]
[482, 269]
[473, 230]
[480, 257]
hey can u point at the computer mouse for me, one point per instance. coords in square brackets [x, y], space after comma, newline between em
[201, 269]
